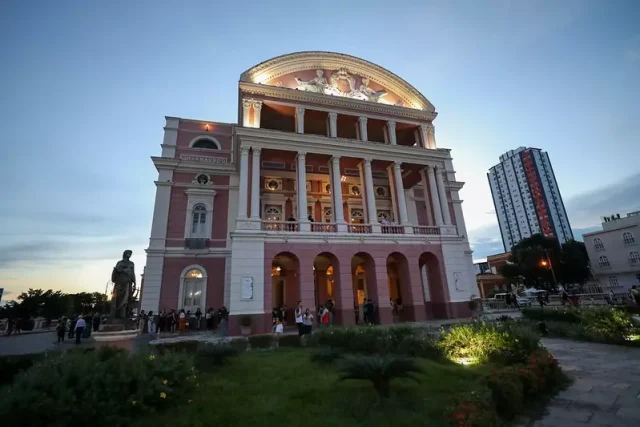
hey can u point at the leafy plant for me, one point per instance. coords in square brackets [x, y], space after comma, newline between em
[325, 356]
[380, 370]
[98, 388]
[290, 341]
[472, 408]
[261, 341]
[10, 366]
[562, 314]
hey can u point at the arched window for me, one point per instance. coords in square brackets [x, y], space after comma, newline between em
[199, 220]
[603, 262]
[206, 143]
[597, 243]
[634, 257]
[193, 289]
[628, 238]
[273, 214]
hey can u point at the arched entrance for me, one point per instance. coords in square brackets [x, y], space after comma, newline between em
[435, 293]
[363, 279]
[285, 291]
[326, 277]
[399, 282]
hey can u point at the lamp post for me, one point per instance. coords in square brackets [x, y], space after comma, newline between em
[547, 262]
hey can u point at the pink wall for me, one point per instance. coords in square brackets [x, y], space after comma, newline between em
[173, 268]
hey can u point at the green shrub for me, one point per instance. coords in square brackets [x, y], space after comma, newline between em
[10, 366]
[402, 340]
[479, 342]
[472, 408]
[380, 370]
[190, 346]
[97, 388]
[261, 341]
[289, 341]
[607, 325]
[239, 344]
[325, 356]
[211, 355]
[561, 314]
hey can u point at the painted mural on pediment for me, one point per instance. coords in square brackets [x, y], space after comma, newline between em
[337, 83]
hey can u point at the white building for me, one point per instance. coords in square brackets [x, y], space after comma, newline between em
[614, 252]
[527, 198]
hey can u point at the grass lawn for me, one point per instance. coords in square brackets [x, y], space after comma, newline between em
[284, 388]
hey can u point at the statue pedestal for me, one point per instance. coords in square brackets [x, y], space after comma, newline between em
[116, 330]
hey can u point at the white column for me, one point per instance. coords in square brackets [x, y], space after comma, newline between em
[333, 125]
[434, 196]
[425, 191]
[371, 198]
[402, 202]
[336, 192]
[444, 205]
[431, 137]
[300, 119]
[391, 129]
[161, 209]
[362, 121]
[243, 185]
[257, 108]
[246, 112]
[423, 136]
[392, 189]
[302, 192]
[255, 185]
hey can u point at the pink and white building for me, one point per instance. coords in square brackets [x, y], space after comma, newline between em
[331, 185]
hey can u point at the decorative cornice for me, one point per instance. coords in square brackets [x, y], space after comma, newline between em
[336, 101]
[312, 60]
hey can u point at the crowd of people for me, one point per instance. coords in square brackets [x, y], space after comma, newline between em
[182, 321]
[74, 327]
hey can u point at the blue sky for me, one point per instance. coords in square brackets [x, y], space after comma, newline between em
[86, 85]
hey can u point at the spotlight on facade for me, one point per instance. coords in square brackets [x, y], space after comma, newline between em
[343, 178]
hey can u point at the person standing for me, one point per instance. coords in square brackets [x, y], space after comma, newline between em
[323, 318]
[96, 322]
[198, 319]
[142, 317]
[72, 327]
[61, 329]
[79, 328]
[307, 322]
[299, 313]
[183, 322]
[151, 323]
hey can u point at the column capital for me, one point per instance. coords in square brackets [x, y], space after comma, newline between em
[335, 160]
[300, 111]
[397, 165]
[333, 115]
[424, 127]
[366, 162]
[391, 124]
[362, 119]
[246, 103]
[244, 151]
[256, 151]
[430, 126]
[257, 105]
[301, 155]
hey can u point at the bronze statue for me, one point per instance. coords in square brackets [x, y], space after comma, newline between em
[124, 287]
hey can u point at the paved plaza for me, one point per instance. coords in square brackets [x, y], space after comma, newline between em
[606, 387]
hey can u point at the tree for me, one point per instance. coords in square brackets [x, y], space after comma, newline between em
[53, 304]
[539, 261]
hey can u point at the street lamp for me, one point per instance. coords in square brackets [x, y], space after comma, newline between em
[547, 262]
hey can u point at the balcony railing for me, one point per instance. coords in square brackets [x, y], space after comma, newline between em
[392, 229]
[359, 228]
[324, 227]
[280, 226]
[426, 230]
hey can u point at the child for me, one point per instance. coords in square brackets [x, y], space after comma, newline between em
[278, 331]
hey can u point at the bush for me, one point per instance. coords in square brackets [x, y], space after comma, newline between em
[210, 355]
[289, 341]
[380, 370]
[325, 356]
[98, 388]
[239, 344]
[479, 342]
[561, 314]
[177, 347]
[261, 341]
[10, 366]
[402, 340]
[607, 325]
[472, 408]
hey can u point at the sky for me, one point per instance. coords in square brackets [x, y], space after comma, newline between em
[85, 87]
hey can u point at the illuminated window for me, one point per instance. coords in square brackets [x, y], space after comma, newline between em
[628, 238]
[198, 220]
[273, 214]
[192, 290]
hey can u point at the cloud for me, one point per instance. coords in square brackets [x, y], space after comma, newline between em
[486, 241]
[585, 209]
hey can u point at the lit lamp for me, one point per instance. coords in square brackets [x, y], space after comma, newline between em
[343, 178]
[206, 127]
